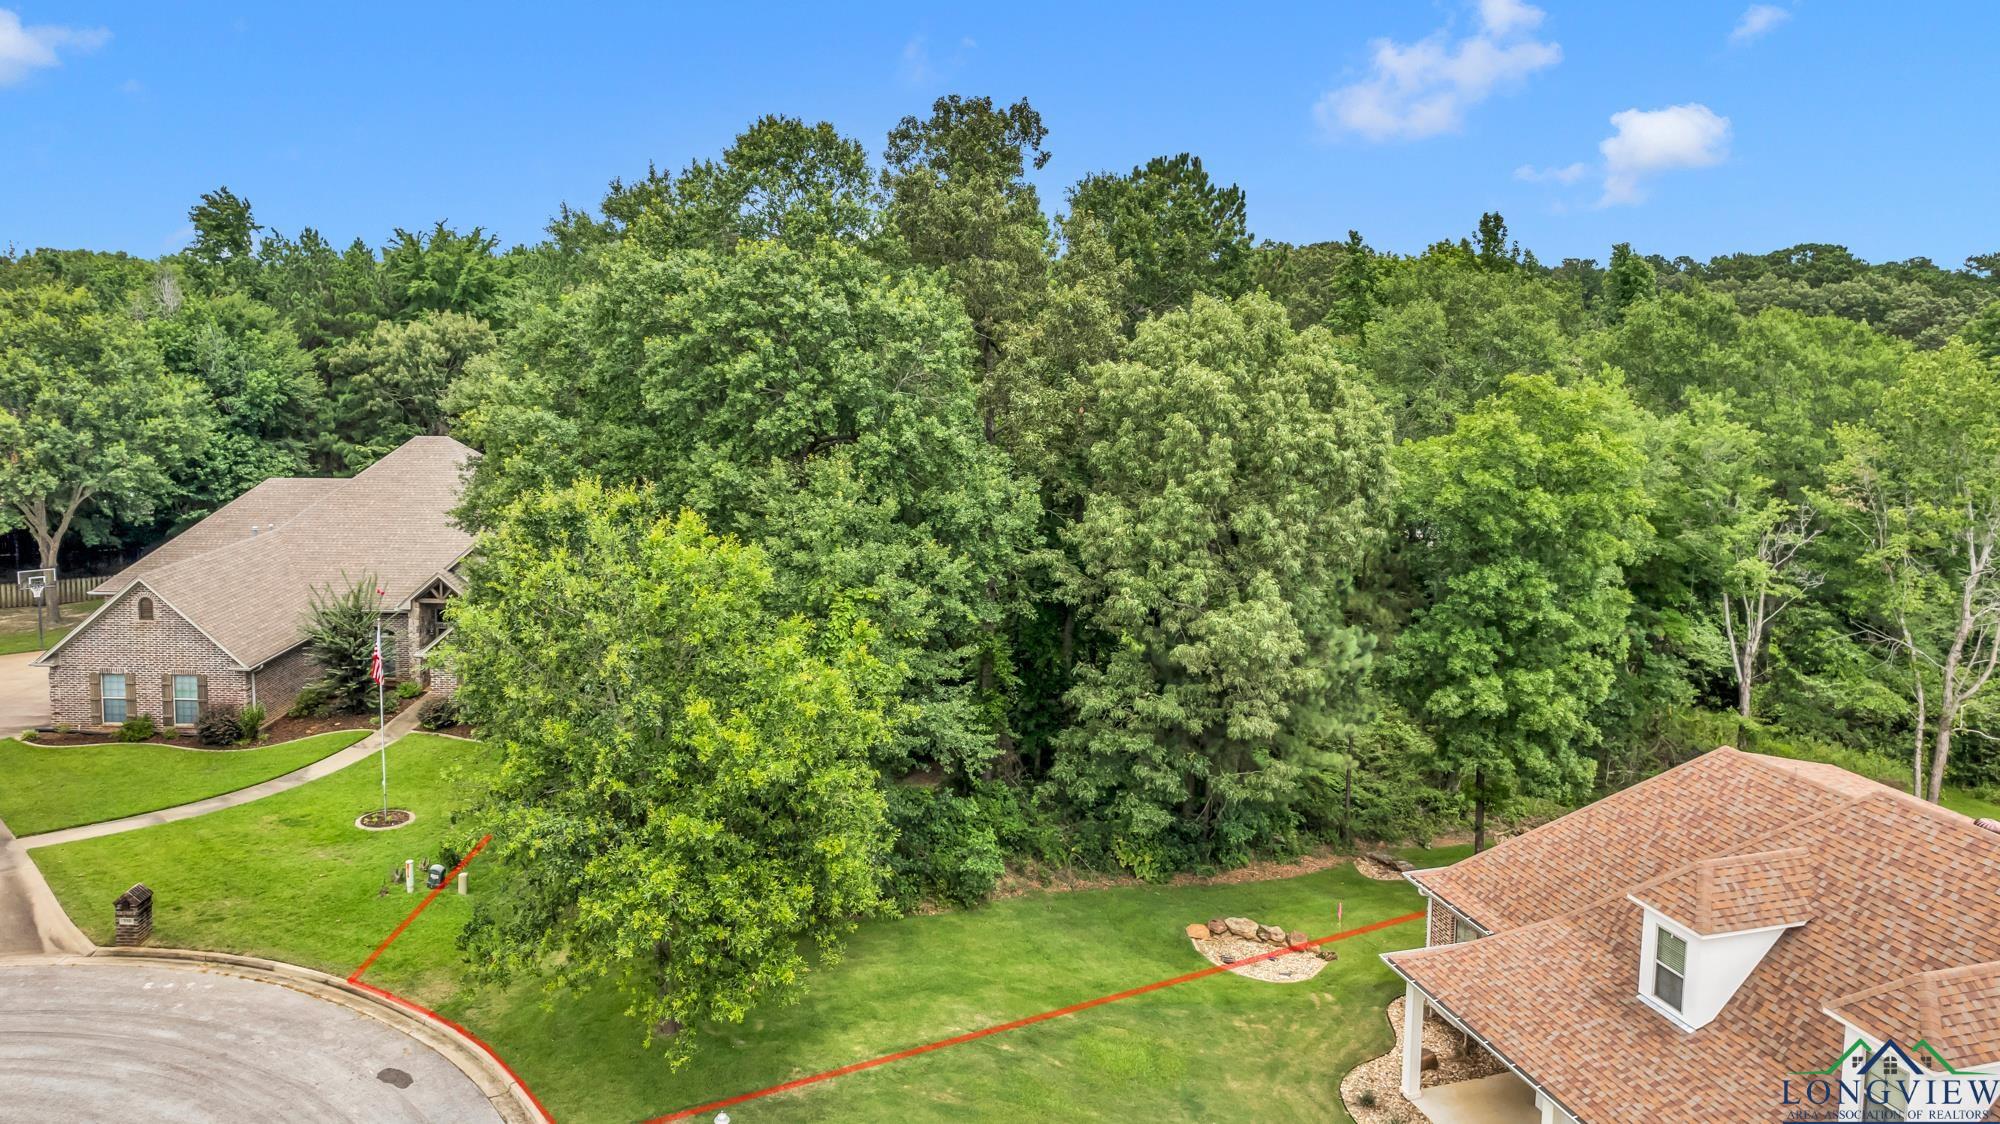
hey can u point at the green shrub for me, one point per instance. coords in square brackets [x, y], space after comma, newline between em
[340, 629]
[219, 725]
[137, 729]
[946, 848]
[314, 700]
[409, 689]
[438, 713]
[1694, 732]
[251, 719]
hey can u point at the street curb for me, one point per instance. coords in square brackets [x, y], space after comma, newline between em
[506, 1095]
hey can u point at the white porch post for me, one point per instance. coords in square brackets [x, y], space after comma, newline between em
[1413, 1042]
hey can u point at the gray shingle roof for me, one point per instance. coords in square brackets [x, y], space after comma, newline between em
[392, 522]
[263, 507]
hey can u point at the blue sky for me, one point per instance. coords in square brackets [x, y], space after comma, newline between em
[1737, 126]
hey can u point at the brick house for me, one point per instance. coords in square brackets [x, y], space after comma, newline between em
[215, 615]
[1739, 938]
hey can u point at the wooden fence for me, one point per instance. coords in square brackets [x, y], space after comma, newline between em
[71, 590]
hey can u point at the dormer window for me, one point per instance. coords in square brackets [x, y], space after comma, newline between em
[1669, 968]
[145, 608]
[1707, 926]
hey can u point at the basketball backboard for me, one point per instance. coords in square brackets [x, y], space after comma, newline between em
[35, 579]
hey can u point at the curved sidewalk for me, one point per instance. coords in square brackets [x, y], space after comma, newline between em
[361, 750]
[32, 922]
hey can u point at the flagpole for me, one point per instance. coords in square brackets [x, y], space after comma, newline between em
[381, 727]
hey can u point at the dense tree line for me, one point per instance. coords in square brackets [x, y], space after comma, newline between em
[1113, 538]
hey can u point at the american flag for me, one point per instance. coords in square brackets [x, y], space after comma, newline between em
[375, 661]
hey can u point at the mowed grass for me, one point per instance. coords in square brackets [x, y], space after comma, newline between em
[25, 640]
[1217, 1048]
[43, 787]
[289, 877]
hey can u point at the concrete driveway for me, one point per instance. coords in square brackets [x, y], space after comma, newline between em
[110, 1041]
[24, 693]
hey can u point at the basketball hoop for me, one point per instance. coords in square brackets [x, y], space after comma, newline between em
[37, 583]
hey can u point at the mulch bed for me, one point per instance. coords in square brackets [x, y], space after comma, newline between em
[283, 729]
[289, 727]
[383, 821]
[1290, 967]
[1381, 1079]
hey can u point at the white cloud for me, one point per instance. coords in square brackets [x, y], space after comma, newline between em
[1757, 19]
[919, 66]
[1568, 173]
[916, 65]
[1650, 141]
[1424, 88]
[25, 49]
[1504, 17]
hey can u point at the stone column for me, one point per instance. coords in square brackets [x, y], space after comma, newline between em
[1413, 1042]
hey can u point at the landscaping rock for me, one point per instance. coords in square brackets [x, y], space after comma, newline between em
[1327, 952]
[1217, 926]
[1242, 927]
[1391, 861]
[1430, 1059]
[1296, 939]
[1197, 932]
[1229, 958]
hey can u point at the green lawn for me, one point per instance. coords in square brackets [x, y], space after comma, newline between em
[1969, 803]
[26, 641]
[289, 877]
[45, 787]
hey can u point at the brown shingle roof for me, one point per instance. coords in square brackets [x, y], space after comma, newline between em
[1731, 893]
[1904, 888]
[1634, 836]
[263, 507]
[392, 522]
[1956, 1010]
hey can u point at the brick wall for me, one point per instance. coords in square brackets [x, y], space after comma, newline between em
[397, 653]
[280, 680]
[1443, 925]
[439, 675]
[144, 651]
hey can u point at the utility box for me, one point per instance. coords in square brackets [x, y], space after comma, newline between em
[135, 916]
[434, 877]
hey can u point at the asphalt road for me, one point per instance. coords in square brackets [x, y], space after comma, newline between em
[123, 1042]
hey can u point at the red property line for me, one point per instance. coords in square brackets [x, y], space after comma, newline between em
[473, 1038]
[421, 906]
[355, 979]
[1002, 1028]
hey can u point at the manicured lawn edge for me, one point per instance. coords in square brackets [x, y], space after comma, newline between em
[47, 788]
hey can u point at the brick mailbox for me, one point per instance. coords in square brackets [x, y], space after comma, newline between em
[135, 916]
